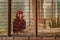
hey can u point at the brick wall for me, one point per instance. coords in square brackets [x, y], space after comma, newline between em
[29, 38]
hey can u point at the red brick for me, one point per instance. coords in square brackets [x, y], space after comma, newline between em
[0, 38]
[4, 38]
[35, 38]
[48, 38]
[58, 38]
[21, 38]
[10, 38]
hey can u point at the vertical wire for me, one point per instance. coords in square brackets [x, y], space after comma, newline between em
[56, 9]
[29, 13]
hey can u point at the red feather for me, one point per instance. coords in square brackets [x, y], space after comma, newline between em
[19, 24]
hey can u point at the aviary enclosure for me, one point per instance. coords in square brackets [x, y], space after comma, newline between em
[42, 17]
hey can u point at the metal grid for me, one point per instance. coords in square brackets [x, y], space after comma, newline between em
[48, 20]
[48, 16]
[3, 17]
[26, 7]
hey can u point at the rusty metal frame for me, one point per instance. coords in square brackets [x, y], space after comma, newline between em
[9, 17]
[36, 20]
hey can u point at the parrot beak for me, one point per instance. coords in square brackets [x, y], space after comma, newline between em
[20, 16]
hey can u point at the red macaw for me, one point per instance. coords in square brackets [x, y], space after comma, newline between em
[19, 24]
